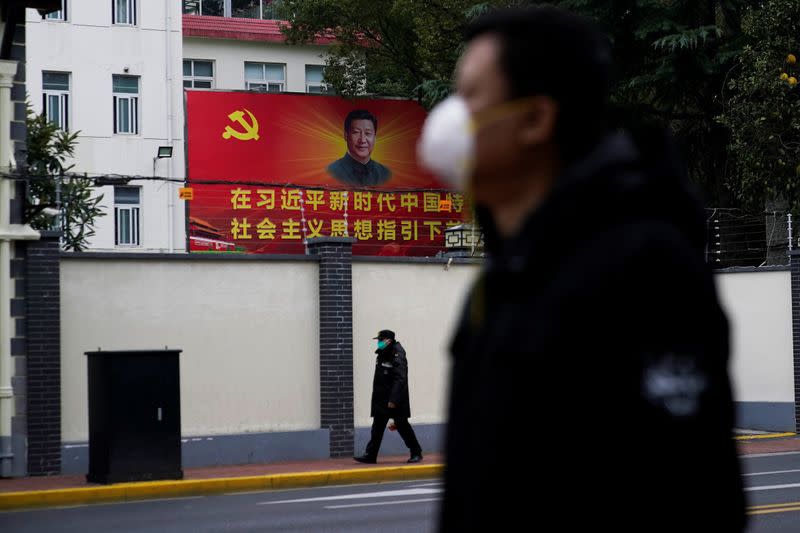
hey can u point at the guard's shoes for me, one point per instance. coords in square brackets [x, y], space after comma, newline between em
[416, 458]
[366, 459]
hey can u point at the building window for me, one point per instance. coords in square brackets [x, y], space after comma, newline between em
[211, 8]
[246, 9]
[123, 12]
[255, 9]
[55, 98]
[249, 9]
[126, 104]
[60, 15]
[127, 207]
[198, 74]
[314, 76]
[267, 77]
[270, 9]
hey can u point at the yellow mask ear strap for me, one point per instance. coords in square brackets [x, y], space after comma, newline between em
[501, 111]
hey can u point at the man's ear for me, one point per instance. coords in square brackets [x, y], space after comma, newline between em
[539, 121]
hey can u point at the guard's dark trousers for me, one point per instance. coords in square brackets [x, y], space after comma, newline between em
[403, 427]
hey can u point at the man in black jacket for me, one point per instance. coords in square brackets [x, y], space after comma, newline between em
[390, 398]
[595, 316]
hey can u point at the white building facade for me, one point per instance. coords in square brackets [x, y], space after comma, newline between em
[115, 70]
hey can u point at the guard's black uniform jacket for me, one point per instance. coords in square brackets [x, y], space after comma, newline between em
[590, 385]
[390, 383]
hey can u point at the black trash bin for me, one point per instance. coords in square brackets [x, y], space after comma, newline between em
[134, 416]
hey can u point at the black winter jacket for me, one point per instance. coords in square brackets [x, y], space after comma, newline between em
[590, 383]
[390, 383]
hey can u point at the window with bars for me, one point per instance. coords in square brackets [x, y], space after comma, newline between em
[212, 8]
[198, 74]
[58, 16]
[55, 98]
[126, 104]
[123, 12]
[251, 9]
[265, 77]
[127, 211]
[314, 76]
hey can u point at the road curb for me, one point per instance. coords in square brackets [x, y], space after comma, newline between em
[123, 492]
[764, 436]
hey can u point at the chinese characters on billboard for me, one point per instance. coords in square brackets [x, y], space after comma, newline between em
[269, 171]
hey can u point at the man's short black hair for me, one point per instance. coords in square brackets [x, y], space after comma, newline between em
[550, 51]
[360, 114]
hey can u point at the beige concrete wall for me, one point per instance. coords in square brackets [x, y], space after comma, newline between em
[421, 303]
[248, 330]
[759, 307]
[229, 57]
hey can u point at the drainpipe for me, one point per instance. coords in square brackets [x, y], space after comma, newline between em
[170, 191]
[8, 233]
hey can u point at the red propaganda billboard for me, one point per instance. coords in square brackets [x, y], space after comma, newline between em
[268, 171]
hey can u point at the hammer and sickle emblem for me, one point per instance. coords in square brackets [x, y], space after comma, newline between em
[250, 129]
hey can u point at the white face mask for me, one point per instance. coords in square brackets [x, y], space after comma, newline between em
[447, 145]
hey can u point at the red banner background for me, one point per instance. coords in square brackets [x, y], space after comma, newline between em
[257, 195]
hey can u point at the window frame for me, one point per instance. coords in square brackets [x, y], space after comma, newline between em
[249, 84]
[227, 9]
[193, 78]
[63, 98]
[133, 106]
[200, 9]
[134, 221]
[321, 84]
[63, 14]
[130, 11]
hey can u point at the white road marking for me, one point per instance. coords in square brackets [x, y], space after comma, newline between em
[380, 503]
[100, 504]
[773, 487]
[384, 494]
[757, 455]
[437, 484]
[768, 473]
[177, 498]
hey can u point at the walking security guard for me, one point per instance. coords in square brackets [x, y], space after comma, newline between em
[390, 398]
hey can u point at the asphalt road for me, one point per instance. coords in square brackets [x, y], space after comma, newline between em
[386, 507]
[772, 485]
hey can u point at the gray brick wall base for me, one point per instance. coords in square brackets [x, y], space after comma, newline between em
[430, 437]
[217, 450]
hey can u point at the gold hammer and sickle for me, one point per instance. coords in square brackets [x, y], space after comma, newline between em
[251, 128]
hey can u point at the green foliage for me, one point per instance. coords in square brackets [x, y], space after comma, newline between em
[405, 48]
[48, 149]
[683, 63]
[762, 111]
[672, 57]
[688, 38]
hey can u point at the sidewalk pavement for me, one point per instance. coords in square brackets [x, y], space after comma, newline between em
[51, 491]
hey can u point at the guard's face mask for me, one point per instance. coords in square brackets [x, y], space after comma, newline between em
[447, 145]
[382, 344]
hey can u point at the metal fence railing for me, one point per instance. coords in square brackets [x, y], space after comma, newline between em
[736, 238]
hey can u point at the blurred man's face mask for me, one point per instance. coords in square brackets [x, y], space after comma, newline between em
[447, 145]
[382, 344]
